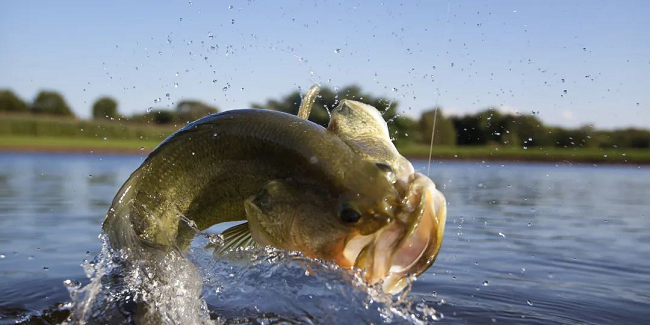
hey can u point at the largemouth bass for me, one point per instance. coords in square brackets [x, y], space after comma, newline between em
[341, 193]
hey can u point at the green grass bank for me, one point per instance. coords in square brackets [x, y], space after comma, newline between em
[52, 134]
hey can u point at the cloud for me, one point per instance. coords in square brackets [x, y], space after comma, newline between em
[568, 115]
[509, 110]
[452, 111]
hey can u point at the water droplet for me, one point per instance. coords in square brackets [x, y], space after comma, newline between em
[168, 95]
[530, 303]
[176, 85]
[104, 138]
[141, 148]
[565, 91]
[337, 51]
[90, 176]
[2, 256]
[210, 35]
[46, 268]
[214, 81]
[232, 22]
[486, 283]
[149, 109]
[525, 148]
[562, 80]
[394, 89]
[230, 7]
[502, 235]
[71, 284]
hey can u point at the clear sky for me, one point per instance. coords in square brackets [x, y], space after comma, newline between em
[463, 55]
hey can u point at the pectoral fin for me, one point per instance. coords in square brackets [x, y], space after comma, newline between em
[235, 237]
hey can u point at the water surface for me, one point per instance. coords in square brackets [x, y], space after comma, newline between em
[525, 243]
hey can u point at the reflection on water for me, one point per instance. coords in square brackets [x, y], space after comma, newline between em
[524, 242]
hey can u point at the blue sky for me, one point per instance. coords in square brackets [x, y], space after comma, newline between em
[462, 55]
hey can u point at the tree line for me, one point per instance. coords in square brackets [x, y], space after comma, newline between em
[52, 103]
[487, 127]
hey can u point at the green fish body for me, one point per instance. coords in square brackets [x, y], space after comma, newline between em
[342, 193]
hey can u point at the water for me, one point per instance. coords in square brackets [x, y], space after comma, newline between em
[525, 243]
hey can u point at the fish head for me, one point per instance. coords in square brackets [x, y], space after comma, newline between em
[407, 245]
[409, 242]
[382, 217]
[388, 247]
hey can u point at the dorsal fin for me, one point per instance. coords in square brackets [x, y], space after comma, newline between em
[308, 102]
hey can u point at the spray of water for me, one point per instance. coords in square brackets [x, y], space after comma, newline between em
[254, 285]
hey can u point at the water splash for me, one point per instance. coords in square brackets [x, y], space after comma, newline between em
[253, 285]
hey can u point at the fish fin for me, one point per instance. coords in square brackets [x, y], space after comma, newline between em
[308, 102]
[235, 237]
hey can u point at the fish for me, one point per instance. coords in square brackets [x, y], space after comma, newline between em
[342, 194]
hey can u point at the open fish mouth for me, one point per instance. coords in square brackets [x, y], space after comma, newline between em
[409, 245]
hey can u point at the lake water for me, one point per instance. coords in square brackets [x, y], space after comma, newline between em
[524, 243]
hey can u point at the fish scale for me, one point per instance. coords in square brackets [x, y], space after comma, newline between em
[206, 178]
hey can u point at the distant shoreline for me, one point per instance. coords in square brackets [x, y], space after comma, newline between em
[126, 151]
[74, 150]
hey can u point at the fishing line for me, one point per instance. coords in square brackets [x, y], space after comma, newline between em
[435, 113]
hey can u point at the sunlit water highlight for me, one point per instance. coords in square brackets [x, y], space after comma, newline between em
[525, 243]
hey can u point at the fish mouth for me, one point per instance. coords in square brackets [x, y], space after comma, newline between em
[409, 245]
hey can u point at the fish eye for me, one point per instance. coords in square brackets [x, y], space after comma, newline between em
[384, 167]
[348, 214]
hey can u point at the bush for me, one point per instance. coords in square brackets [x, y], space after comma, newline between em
[9, 102]
[445, 130]
[50, 102]
[105, 108]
